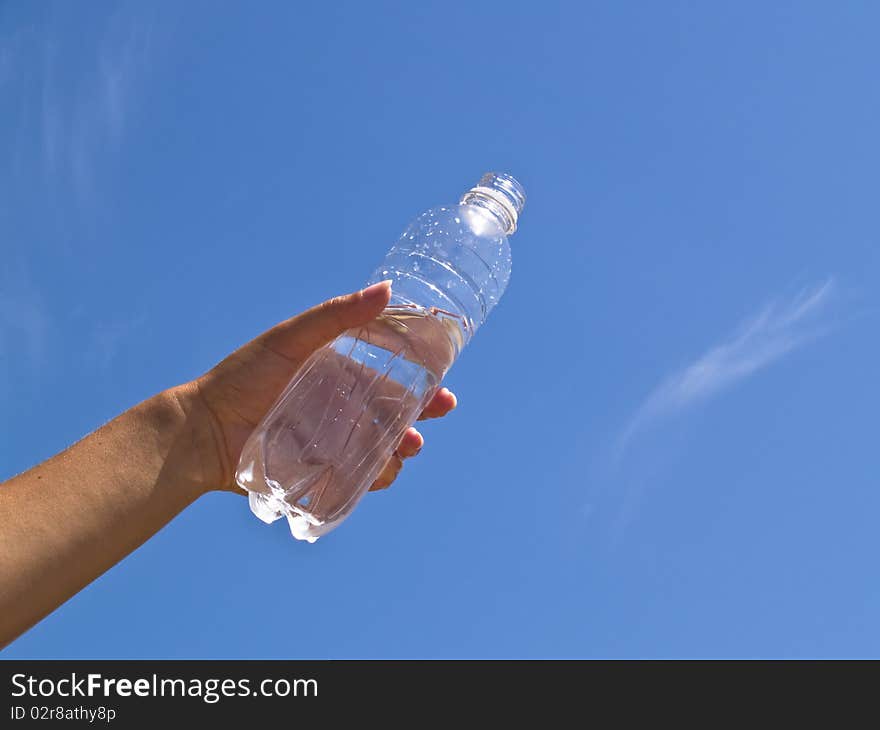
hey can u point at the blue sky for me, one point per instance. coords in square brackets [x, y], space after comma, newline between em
[666, 444]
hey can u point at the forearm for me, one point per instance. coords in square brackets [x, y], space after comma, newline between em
[67, 520]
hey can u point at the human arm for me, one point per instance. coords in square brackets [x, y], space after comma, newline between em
[69, 519]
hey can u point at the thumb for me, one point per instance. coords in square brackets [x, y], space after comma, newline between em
[298, 337]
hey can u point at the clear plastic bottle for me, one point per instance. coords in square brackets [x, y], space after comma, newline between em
[327, 437]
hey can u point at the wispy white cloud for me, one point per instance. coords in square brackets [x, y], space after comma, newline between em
[14, 105]
[8, 53]
[52, 126]
[108, 338]
[779, 328]
[24, 319]
[84, 123]
[66, 114]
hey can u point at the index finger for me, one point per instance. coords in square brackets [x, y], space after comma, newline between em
[444, 400]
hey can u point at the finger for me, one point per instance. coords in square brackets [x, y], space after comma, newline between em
[389, 473]
[298, 337]
[410, 444]
[442, 402]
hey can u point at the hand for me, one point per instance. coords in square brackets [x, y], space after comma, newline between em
[232, 398]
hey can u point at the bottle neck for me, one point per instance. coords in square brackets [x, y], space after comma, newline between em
[499, 194]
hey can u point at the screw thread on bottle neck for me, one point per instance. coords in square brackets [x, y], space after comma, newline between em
[500, 194]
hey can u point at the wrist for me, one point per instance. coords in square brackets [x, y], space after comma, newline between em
[186, 436]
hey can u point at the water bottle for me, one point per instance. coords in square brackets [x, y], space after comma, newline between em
[329, 434]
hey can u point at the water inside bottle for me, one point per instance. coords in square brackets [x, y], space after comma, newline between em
[344, 414]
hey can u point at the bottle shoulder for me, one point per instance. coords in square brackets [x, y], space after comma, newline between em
[452, 257]
[445, 229]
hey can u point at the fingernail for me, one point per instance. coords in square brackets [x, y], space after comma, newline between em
[374, 290]
[454, 399]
